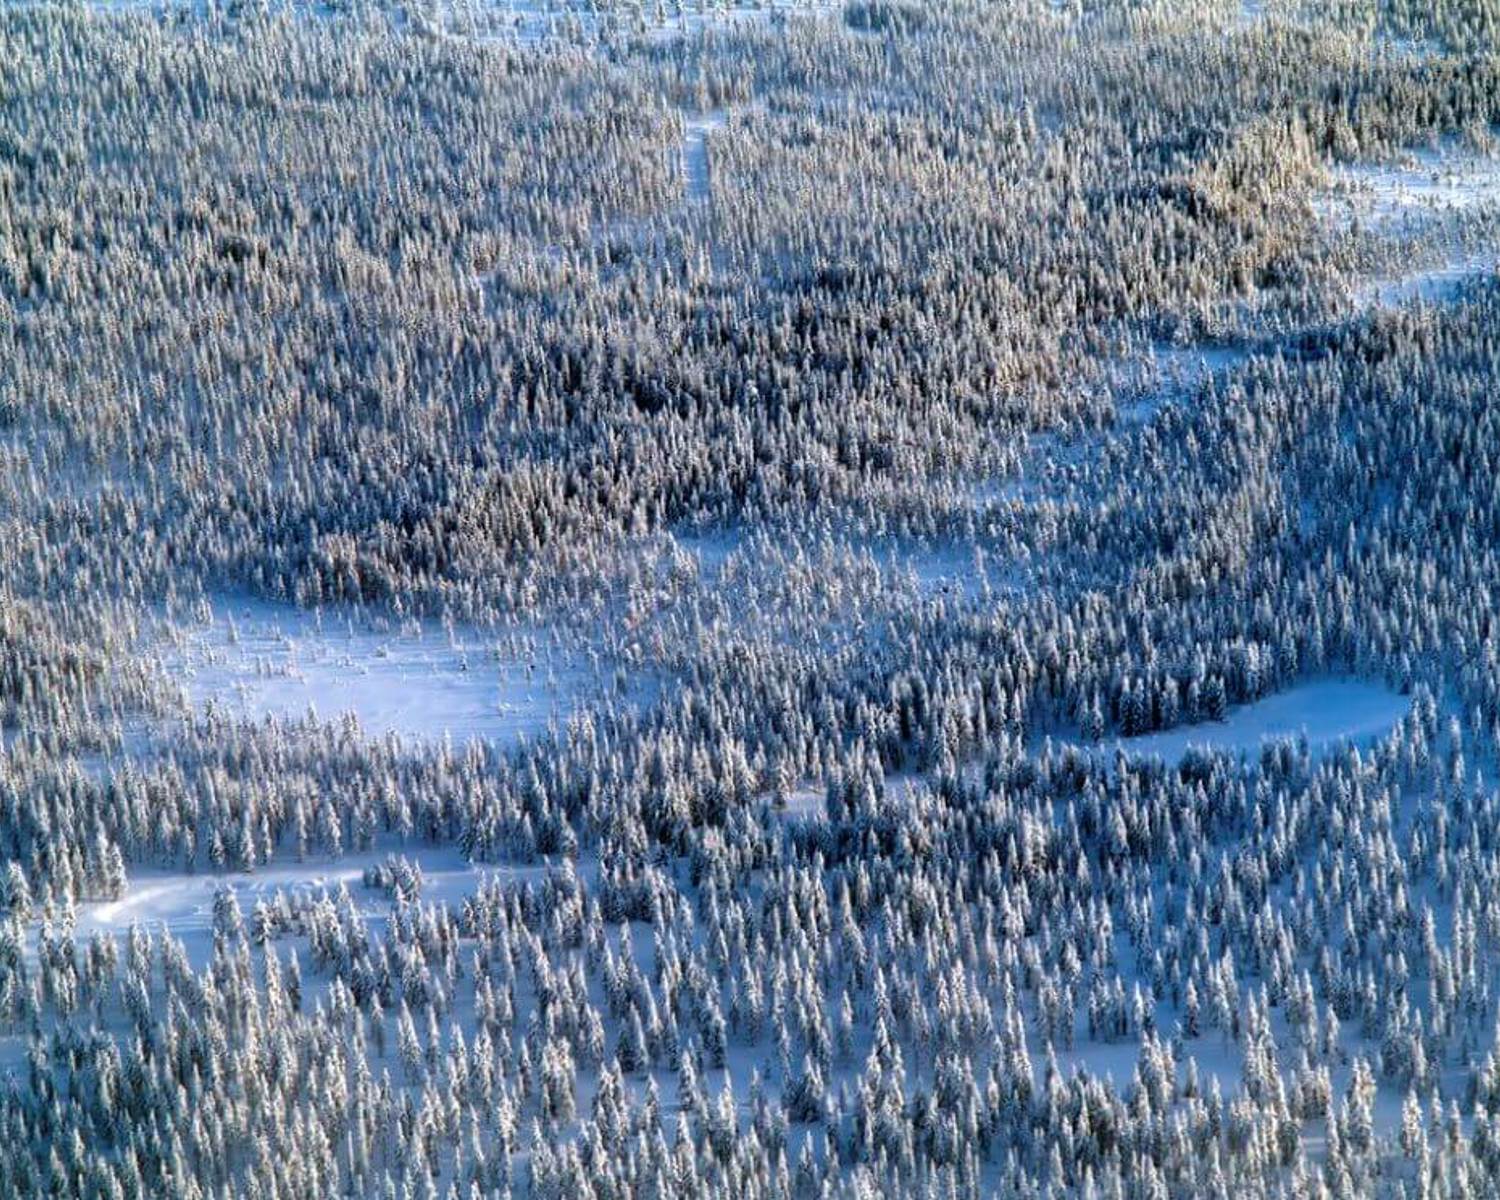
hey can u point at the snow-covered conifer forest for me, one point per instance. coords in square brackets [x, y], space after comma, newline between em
[749, 599]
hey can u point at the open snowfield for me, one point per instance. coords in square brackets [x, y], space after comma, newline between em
[546, 23]
[1434, 285]
[1144, 384]
[1428, 192]
[695, 170]
[258, 659]
[1182, 370]
[1325, 712]
[530, 24]
[183, 904]
[1400, 197]
[921, 567]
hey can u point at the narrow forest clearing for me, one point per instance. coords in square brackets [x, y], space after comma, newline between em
[257, 659]
[1407, 194]
[183, 903]
[697, 127]
[1326, 712]
[1434, 212]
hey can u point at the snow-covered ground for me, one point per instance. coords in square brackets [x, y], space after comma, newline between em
[531, 23]
[953, 569]
[1436, 192]
[1251, 13]
[1184, 369]
[183, 904]
[1325, 712]
[1171, 374]
[535, 23]
[695, 174]
[1433, 285]
[931, 567]
[711, 548]
[1144, 385]
[38, 464]
[1391, 198]
[255, 659]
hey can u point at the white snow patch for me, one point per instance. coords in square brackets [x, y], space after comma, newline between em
[585, 23]
[804, 803]
[711, 548]
[1434, 285]
[1170, 374]
[38, 464]
[257, 659]
[1325, 712]
[937, 569]
[1395, 197]
[526, 24]
[987, 492]
[1187, 368]
[695, 173]
[1142, 384]
[183, 904]
[1407, 199]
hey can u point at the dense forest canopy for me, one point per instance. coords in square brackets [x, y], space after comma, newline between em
[610, 600]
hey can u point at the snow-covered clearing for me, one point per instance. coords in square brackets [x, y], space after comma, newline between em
[695, 173]
[1141, 386]
[1431, 193]
[39, 465]
[930, 567]
[1391, 198]
[1170, 375]
[538, 23]
[953, 569]
[183, 904]
[1182, 370]
[1434, 285]
[1044, 454]
[1251, 13]
[1325, 712]
[711, 549]
[1218, 1058]
[529, 24]
[1015, 490]
[258, 659]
